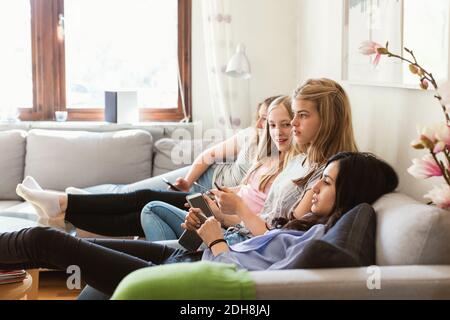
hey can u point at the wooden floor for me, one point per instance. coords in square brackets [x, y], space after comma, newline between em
[52, 286]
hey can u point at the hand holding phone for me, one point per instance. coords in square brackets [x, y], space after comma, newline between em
[170, 185]
[194, 219]
[190, 239]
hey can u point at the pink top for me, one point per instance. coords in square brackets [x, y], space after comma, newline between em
[250, 193]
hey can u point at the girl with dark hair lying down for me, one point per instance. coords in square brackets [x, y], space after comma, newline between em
[348, 180]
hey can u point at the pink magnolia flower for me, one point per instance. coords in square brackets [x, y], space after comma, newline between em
[440, 196]
[438, 134]
[439, 147]
[369, 48]
[443, 137]
[425, 168]
[430, 132]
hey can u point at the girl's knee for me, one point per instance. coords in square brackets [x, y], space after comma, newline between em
[40, 234]
[151, 207]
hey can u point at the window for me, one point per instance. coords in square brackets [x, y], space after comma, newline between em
[396, 22]
[82, 48]
[15, 57]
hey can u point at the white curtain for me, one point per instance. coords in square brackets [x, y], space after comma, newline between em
[229, 97]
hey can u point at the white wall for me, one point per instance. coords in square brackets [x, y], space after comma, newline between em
[384, 118]
[289, 41]
[268, 28]
[200, 98]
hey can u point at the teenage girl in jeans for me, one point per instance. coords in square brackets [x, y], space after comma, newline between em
[119, 214]
[162, 221]
[348, 180]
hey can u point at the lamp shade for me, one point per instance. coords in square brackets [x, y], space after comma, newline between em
[239, 66]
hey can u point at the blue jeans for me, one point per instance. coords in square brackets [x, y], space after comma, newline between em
[156, 183]
[162, 221]
[205, 180]
[153, 183]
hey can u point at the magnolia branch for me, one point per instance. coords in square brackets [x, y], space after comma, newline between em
[422, 72]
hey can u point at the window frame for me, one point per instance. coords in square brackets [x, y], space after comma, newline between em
[49, 87]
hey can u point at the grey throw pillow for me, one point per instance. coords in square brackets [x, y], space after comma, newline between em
[349, 243]
[171, 154]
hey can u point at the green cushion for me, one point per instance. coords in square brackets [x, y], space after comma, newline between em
[201, 280]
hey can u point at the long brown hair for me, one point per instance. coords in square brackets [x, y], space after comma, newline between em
[336, 131]
[362, 178]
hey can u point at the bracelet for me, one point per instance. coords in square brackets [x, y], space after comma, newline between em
[216, 242]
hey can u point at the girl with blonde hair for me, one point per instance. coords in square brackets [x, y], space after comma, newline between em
[274, 152]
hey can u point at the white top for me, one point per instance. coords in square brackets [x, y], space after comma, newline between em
[230, 174]
[285, 195]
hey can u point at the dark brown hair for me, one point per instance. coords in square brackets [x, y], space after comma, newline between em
[362, 178]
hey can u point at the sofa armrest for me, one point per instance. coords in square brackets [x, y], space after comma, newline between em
[396, 282]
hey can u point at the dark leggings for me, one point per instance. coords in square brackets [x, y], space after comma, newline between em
[103, 263]
[116, 215]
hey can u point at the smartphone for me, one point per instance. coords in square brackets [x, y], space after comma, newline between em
[170, 185]
[218, 188]
[202, 187]
[190, 239]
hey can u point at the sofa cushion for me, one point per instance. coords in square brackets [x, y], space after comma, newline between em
[59, 159]
[171, 154]
[6, 205]
[349, 243]
[410, 232]
[12, 162]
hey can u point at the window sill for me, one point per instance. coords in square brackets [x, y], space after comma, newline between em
[157, 129]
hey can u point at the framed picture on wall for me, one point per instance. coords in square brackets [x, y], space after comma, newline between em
[422, 26]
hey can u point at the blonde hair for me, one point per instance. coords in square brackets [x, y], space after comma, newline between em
[267, 149]
[267, 102]
[336, 130]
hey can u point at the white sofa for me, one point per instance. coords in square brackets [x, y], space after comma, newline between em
[413, 239]
[82, 158]
[412, 258]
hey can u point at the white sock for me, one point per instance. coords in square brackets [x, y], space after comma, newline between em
[31, 183]
[73, 190]
[47, 201]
